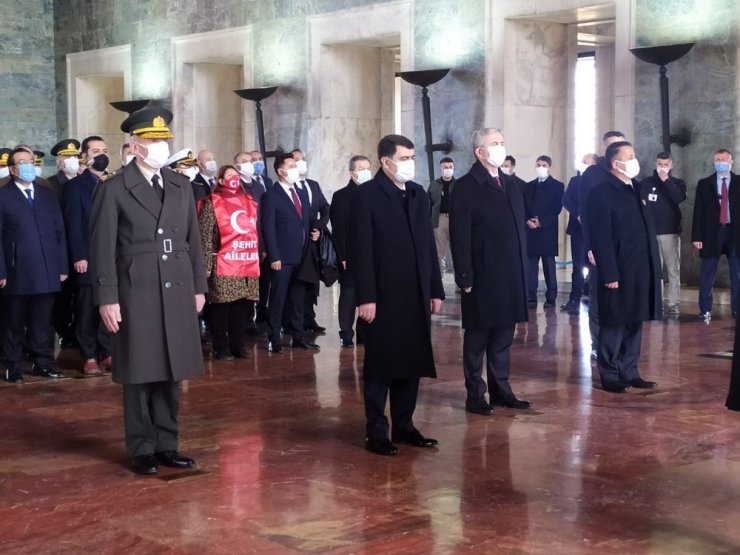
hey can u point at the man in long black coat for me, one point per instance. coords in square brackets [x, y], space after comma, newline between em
[489, 250]
[393, 260]
[543, 201]
[625, 249]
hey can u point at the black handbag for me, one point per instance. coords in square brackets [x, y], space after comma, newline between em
[328, 262]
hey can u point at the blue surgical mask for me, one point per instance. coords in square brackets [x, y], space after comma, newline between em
[722, 167]
[259, 166]
[27, 172]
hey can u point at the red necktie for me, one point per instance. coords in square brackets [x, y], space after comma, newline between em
[297, 202]
[498, 181]
[724, 204]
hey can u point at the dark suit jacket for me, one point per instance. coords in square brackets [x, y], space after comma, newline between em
[339, 215]
[78, 194]
[571, 202]
[544, 200]
[625, 247]
[591, 176]
[319, 206]
[284, 232]
[706, 216]
[665, 206]
[57, 182]
[146, 255]
[489, 249]
[394, 264]
[33, 241]
[201, 188]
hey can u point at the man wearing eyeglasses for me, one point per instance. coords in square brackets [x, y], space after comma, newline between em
[32, 266]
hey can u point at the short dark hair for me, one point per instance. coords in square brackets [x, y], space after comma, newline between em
[296, 150]
[664, 156]
[86, 142]
[544, 158]
[356, 158]
[613, 150]
[280, 160]
[446, 160]
[723, 151]
[511, 159]
[610, 134]
[18, 150]
[387, 145]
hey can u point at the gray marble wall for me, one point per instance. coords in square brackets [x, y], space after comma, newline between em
[703, 95]
[26, 73]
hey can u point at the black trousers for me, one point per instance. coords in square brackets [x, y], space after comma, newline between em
[33, 311]
[347, 309]
[285, 291]
[593, 305]
[63, 311]
[619, 351]
[92, 335]
[309, 301]
[403, 394]
[495, 343]
[578, 253]
[548, 269]
[264, 295]
[150, 417]
[228, 323]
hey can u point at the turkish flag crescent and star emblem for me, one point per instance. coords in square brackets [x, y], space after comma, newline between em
[237, 225]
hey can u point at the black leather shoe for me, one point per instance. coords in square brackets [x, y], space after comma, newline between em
[12, 376]
[380, 446]
[314, 327]
[307, 345]
[346, 343]
[614, 387]
[144, 464]
[45, 371]
[223, 356]
[242, 354]
[274, 347]
[510, 401]
[479, 407]
[174, 459]
[415, 439]
[639, 383]
[570, 306]
[548, 304]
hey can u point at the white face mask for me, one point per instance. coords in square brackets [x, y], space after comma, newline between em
[246, 169]
[631, 168]
[211, 167]
[71, 165]
[291, 176]
[4, 172]
[507, 171]
[404, 170]
[662, 169]
[38, 171]
[157, 155]
[302, 167]
[542, 172]
[363, 176]
[191, 173]
[496, 155]
[129, 159]
[447, 172]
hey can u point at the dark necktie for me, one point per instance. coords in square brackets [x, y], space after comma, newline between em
[724, 204]
[296, 202]
[497, 181]
[157, 188]
[29, 194]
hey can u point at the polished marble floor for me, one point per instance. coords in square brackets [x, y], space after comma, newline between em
[279, 442]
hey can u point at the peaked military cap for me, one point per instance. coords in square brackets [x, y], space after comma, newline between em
[184, 157]
[66, 147]
[5, 156]
[149, 123]
[38, 157]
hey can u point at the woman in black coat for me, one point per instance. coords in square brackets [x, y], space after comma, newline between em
[625, 248]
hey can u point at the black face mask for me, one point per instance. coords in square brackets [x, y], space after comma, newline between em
[100, 162]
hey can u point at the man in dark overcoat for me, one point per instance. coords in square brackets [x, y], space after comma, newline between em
[393, 260]
[625, 248]
[543, 201]
[489, 250]
[150, 283]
